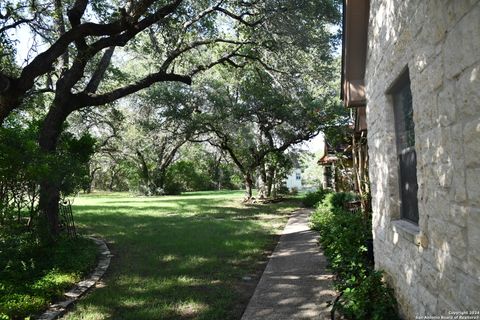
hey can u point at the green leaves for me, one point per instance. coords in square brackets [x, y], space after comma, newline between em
[31, 275]
[70, 165]
[23, 166]
[313, 198]
[343, 235]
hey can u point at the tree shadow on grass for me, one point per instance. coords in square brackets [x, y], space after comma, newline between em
[211, 208]
[162, 298]
[174, 266]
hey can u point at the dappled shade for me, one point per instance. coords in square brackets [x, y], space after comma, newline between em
[177, 257]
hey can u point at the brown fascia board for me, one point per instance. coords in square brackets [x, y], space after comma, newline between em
[355, 93]
[360, 119]
[342, 79]
[355, 28]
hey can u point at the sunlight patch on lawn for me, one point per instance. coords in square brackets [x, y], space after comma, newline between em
[90, 312]
[168, 258]
[194, 261]
[190, 308]
[132, 302]
[177, 257]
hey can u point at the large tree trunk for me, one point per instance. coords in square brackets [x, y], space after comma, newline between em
[220, 178]
[218, 172]
[263, 192]
[50, 187]
[160, 181]
[361, 170]
[248, 185]
[48, 204]
[114, 171]
[144, 173]
[10, 97]
[270, 179]
[91, 179]
[4, 111]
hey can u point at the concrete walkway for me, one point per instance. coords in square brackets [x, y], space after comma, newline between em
[295, 283]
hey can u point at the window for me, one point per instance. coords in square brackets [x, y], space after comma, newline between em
[298, 176]
[405, 137]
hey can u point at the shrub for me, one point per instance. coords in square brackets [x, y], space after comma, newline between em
[23, 166]
[15, 306]
[311, 199]
[32, 274]
[369, 299]
[339, 199]
[282, 190]
[343, 237]
[172, 187]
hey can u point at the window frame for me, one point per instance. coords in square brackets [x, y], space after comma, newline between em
[298, 176]
[400, 92]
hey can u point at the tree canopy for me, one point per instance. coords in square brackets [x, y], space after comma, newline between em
[77, 39]
[273, 85]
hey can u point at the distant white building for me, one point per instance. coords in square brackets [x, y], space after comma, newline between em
[294, 179]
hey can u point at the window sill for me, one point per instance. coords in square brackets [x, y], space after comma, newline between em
[411, 232]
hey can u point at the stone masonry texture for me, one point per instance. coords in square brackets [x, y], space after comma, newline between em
[434, 268]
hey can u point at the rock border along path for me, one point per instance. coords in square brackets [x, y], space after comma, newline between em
[295, 283]
[58, 309]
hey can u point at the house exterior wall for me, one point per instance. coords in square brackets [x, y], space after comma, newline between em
[434, 267]
[292, 182]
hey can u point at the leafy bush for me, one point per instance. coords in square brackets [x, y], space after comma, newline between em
[69, 167]
[185, 176]
[339, 199]
[172, 187]
[343, 237]
[189, 175]
[369, 299]
[32, 275]
[23, 165]
[282, 190]
[15, 306]
[311, 199]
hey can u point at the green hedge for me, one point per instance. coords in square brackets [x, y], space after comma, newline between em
[343, 236]
[313, 198]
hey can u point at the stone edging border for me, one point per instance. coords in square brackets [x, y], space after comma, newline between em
[60, 308]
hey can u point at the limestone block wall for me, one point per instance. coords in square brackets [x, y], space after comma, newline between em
[434, 267]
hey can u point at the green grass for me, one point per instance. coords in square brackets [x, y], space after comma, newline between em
[32, 275]
[177, 257]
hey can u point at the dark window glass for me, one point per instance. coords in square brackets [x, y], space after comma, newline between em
[407, 158]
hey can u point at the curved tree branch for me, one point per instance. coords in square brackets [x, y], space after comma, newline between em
[239, 17]
[75, 13]
[119, 31]
[99, 73]
[88, 99]
[178, 52]
[17, 23]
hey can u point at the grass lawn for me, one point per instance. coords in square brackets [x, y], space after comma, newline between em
[177, 257]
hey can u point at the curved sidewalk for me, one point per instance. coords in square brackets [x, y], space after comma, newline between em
[295, 283]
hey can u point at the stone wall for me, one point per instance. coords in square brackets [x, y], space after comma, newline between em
[434, 267]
